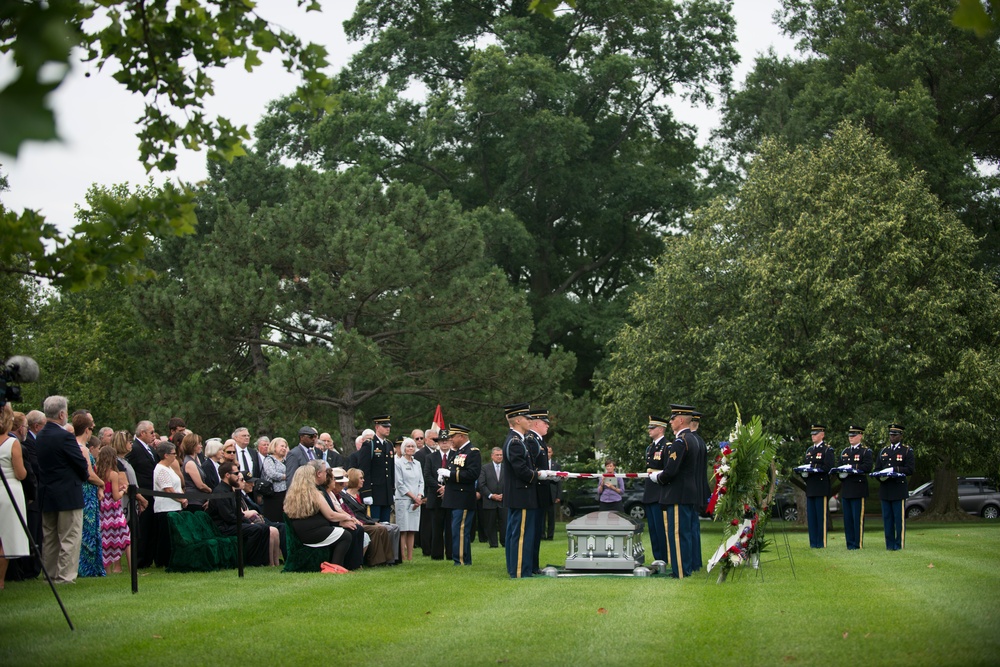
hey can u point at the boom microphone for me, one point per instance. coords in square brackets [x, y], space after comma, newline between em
[22, 369]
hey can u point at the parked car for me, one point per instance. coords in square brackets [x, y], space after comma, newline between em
[580, 497]
[783, 505]
[976, 495]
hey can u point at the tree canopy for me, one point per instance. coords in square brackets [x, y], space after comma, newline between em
[834, 287]
[901, 69]
[337, 295]
[164, 51]
[561, 127]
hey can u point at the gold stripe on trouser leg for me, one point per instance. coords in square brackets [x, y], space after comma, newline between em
[520, 543]
[861, 526]
[677, 542]
[665, 524]
[902, 523]
[461, 539]
[826, 510]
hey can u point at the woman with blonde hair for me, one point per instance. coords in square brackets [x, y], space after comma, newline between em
[273, 471]
[351, 496]
[310, 515]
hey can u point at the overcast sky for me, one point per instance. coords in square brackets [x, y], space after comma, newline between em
[96, 116]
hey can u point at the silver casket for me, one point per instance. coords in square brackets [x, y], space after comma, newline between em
[604, 541]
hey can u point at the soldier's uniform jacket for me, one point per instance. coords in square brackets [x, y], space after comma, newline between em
[654, 461]
[375, 460]
[901, 459]
[699, 456]
[859, 458]
[823, 457]
[465, 464]
[519, 476]
[678, 481]
[540, 456]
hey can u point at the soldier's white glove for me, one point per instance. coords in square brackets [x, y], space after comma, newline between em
[546, 474]
[885, 471]
[655, 476]
[367, 500]
[443, 473]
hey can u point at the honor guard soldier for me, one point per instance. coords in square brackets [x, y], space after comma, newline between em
[534, 439]
[655, 519]
[820, 457]
[701, 479]
[520, 495]
[895, 462]
[679, 491]
[375, 460]
[460, 478]
[854, 487]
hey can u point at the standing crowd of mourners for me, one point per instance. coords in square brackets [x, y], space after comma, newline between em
[373, 506]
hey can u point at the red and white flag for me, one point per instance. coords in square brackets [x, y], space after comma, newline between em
[438, 418]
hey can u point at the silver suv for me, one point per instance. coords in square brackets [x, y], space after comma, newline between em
[976, 495]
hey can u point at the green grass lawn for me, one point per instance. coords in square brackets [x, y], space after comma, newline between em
[935, 603]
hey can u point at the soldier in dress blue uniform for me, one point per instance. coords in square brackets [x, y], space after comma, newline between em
[701, 479]
[679, 491]
[375, 459]
[655, 519]
[520, 495]
[460, 478]
[821, 457]
[534, 440]
[892, 491]
[854, 488]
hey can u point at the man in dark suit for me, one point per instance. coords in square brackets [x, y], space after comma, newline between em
[854, 487]
[820, 457]
[62, 472]
[460, 477]
[302, 453]
[491, 489]
[330, 454]
[430, 447]
[893, 492]
[261, 541]
[375, 459]
[247, 458]
[439, 540]
[143, 459]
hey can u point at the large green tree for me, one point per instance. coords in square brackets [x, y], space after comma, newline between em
[333, 298]
[901, 69]
[563, 126]
[834, 287]
[164, 51]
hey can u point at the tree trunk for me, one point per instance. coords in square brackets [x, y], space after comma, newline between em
[345, 413]
[944, 502]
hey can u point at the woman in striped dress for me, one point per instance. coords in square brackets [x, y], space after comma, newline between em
[115, 537]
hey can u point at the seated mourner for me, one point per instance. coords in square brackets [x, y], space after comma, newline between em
[312, 519]
[261, 542]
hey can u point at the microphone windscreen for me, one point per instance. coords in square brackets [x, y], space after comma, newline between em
[24, 369]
